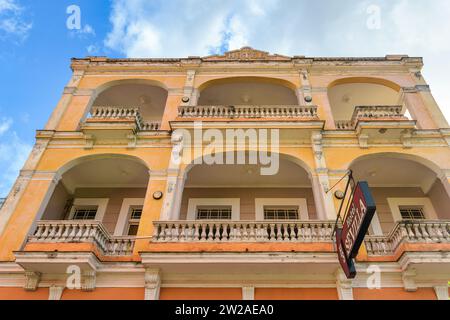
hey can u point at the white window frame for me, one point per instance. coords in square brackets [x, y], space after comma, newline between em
[375, 226]
[101, 203]
[194, 203]
[396, 203]
[122, 221]
[301, 203]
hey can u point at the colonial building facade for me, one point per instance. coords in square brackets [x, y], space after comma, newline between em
[124, 196]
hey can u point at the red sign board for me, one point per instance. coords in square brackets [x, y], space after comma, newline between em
[347, 264]
[358, 219]
[356, 223]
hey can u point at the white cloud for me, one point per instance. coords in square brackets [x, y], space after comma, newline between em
[182, 28]
[13, 154]
[5, 125]
[12, 22]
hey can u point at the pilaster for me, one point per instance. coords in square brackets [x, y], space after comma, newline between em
[344, 286]
[152, 284]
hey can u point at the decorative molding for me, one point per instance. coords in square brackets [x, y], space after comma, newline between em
[363, 140]
[247, 54]
[55, 292]
[409, 280]
[32, 279]
[152, 279]
[248, 293]
[344, 286]
[442, 292]
[88, 280]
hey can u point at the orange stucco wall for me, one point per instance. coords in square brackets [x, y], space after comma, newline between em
[21, 294]
[105, 294]
[201, 294]
[296, 294]
[393, 294]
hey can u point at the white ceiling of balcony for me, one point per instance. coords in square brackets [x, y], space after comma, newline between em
[289, 175]
[106, 173]
[247, 93]
[393, 172]
[345, 97]
[150, 99]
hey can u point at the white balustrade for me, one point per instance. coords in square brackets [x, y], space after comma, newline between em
[371, 112]
[248, 111]
[410, 231]
[242, 231]
[124, 113]
[78, 231]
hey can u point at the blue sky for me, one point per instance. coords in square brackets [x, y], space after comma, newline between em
[36, 45]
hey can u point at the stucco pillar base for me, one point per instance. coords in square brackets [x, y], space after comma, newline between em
[343, 286]
[442, 292]
[248, 293]
[152, 284]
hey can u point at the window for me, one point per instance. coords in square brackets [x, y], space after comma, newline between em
[85, 213]
[133, 222]
[214, 213]
[281, 213]
[412, 213]
[281, 209]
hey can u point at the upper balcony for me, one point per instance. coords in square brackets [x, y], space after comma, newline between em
[368, 102]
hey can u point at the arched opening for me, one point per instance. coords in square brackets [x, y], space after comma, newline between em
[109, 189]
[247, 91]
[403, 187]
[239, 192]
[148, 97]
[346, 95]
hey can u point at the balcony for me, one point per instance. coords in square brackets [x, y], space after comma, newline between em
[409, 231]
[372, 113]
[122, 115]
[266, 112]
[242, 231]
[53, 232]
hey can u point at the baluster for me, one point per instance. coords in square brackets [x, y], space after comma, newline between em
[190, 232]
[203, 236]
[224, 232]
[272, 232]
[252, 232]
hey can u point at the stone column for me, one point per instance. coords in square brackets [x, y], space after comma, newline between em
[423, 89]
[77, 110]
[175, 182]
[248, 293]
[442, 292]
[344, 286]
[30, 207]
[151, 210]
[24, 178]
[55, 292]
[320, 181]
[66, 99]
[304, 94]
[320, 98]
[152, 283]
[417, 108]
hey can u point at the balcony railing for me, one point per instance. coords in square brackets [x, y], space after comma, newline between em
[74, 231]
[242, 231]
[125, 114]
[409, 231]
[371, 113]
[249, 112]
